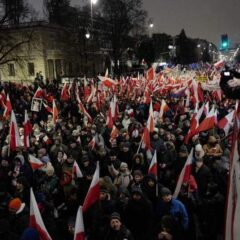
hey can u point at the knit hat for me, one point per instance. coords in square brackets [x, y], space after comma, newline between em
[137, 190]
[15, 204]
[199, 148]
[183, 149]
[137, 172]
[115, 215]
[165, 191]
[45, 159]
[123, 165]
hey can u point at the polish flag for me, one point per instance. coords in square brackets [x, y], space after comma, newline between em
[226, 122]
[36, 219]
[219, 64]
[27, 130]
[153, 166]
[86, 89]
[91, 96]
[206, 108]
[34, 162]
[83, 110]
[114, 108]
[164, 108]
[55, 112]
[79, 226]
[109, 121]
[114, 133]
[187, 92]
[77, 171]
[14, 133]
[207, 123]
[108, 82]
[197, 91]
[146, 143]
[92, 143]
[64, 93]
[93, 191]
[7, 108]
[150, 122]
[232, 230]
[49, 109]
[184, 176]
[150, 74]
[194, 122]
[39, 93]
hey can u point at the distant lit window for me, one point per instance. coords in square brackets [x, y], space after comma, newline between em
[11, 69]
[31, 70]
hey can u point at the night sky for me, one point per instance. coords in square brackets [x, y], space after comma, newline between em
[206, 19]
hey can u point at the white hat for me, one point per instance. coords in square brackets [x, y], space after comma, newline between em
[198, 148]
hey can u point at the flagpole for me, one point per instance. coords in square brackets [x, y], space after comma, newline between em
[139, 145]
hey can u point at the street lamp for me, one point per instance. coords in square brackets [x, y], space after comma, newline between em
[87, 35]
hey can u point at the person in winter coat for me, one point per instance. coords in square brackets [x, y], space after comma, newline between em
[18, 217]
[137, 210]
[116, 230]
[5, 231]
[122, 177]
[173, 207]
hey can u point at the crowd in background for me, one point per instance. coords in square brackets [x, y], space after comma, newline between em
[132, 204]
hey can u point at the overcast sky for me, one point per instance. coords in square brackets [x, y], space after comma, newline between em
[206, 19]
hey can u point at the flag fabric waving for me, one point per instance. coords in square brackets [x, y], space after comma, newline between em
[153, 166]
[93, 191]
[184, 176]
[34, 162]
[27, 130]
[14, 133]
[36, 218]
[79, 226]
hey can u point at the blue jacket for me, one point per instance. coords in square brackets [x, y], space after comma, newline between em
[176, 209]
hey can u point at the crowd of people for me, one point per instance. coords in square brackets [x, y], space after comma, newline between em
[133, 203]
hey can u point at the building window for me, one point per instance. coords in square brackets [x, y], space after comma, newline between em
[31, 70]
[11, 69]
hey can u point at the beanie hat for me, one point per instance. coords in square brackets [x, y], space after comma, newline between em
[137, 190]
[30, 234]
[138, 173]
[165, 191]
[183, 149]
[15, 204]
[199, 148]
[115, 215]
[123, 165]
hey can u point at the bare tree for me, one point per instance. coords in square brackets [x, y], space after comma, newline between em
[13, 13]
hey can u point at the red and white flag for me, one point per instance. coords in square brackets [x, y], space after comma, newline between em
[14, 133]
[114, 133]
[93, 191]
[83, 110]
[146, 143]
[48, 108]
[64, 93]
[39, 93]
[153, 166]
[77, 171]
[108, 82]
[55, 112]
[232, 230]
[164, 108]
[79, 233]
[150, 74]
[150, 122]
[109, 121]
[36, 221]
[226, 122]
[114, 108]
[34, 162]
[7, 108]
[219, 64]
[27, 130]
[207, 123]
[184, 176]
[92, 143]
